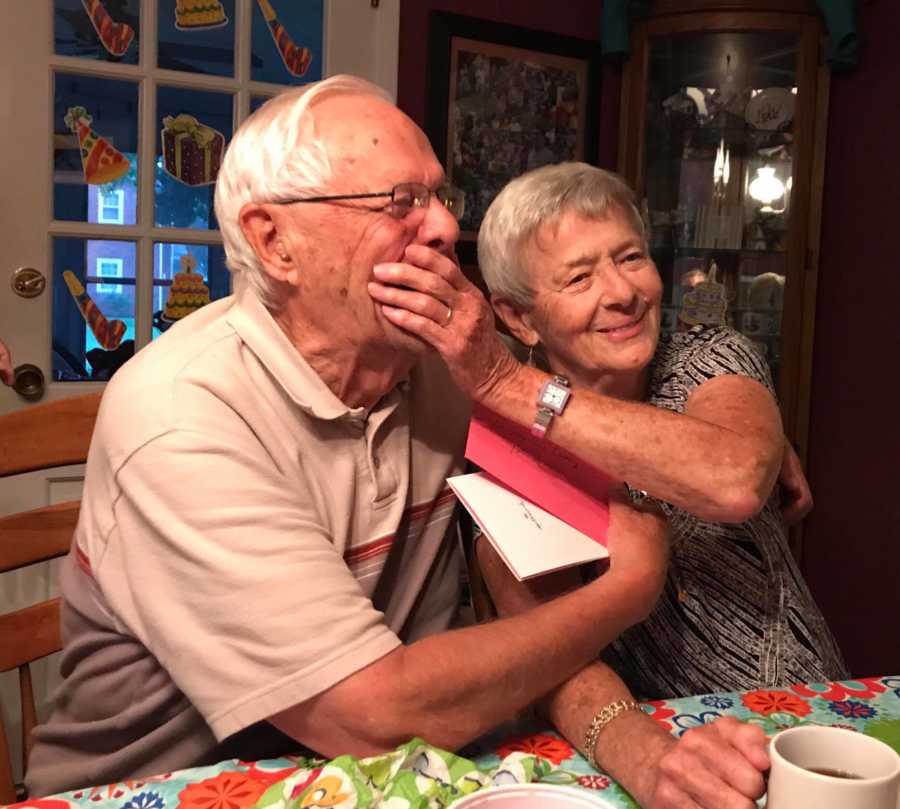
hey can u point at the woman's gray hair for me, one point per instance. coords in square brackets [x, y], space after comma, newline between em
[276, 154]
[540, 197]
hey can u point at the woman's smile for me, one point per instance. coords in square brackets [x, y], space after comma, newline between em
[625, 331]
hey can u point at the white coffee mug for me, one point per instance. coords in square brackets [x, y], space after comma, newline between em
[859, 772]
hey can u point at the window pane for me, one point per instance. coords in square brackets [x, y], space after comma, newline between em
[108, 30]
[256, 102]
[185, 278]
[94, 148]
[93, 307]
[194, 127]
[197, 36]
[286, 45]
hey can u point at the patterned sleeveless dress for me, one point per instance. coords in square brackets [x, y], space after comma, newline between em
[735, 613]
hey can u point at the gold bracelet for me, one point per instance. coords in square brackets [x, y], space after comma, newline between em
[600, 721]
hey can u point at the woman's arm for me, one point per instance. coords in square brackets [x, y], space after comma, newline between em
[719, 460]
[718, 766]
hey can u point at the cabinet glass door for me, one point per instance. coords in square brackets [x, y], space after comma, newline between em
[718, 165]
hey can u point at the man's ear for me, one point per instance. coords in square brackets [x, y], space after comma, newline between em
[264, 229]
[517, 321]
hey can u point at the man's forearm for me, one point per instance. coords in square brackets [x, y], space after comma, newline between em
[452, 687]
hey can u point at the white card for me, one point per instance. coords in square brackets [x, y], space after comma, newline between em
[530, 540]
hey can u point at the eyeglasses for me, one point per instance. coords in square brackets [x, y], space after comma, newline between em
[404, 198]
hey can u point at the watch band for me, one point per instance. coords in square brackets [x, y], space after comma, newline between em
[551, 401]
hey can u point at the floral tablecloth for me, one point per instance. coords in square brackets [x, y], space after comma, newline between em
[417, 776]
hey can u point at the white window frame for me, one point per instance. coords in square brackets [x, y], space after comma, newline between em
[347, 25]
[102, 196]
[119, 265]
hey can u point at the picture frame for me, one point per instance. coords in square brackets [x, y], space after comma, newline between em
[502, 99]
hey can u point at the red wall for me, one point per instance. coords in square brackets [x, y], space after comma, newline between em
[852, 540]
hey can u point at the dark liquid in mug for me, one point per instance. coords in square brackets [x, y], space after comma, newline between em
[834, 773]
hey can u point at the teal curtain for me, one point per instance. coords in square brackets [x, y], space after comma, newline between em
[615, 19]
[840, 19]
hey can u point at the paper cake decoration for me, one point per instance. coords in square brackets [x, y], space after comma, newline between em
[192, 152]
[100, 160]
[706, 303]
[188, 292]
[193, 14]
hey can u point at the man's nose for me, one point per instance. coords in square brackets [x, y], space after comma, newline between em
[440, 228]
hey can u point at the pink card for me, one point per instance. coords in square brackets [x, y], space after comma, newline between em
[538, 470]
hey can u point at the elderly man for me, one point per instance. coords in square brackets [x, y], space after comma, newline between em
[266, 553]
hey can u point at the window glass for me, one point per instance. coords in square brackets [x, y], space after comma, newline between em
[111, 206]
[718, 161]
[107, 30]
[286, 43]
[186, 277]
[93, 307]
[95, 123]
[194, 127]
[256, 102]
[197, 36]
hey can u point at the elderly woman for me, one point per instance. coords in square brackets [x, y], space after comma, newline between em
[690, 420]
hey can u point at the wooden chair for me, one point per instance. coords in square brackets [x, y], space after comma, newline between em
[39, 437]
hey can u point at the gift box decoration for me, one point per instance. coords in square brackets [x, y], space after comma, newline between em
[192, 152]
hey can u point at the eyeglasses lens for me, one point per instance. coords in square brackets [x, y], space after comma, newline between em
[407, 196]
[453, 199]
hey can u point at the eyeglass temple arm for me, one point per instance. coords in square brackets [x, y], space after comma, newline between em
[334, 198]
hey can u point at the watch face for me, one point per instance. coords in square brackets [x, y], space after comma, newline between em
[554, 396]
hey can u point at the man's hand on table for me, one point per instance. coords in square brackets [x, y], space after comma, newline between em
[716, 766]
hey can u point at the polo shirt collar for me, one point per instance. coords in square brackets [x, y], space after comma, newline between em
[255, 325]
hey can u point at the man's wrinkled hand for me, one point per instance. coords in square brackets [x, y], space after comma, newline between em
[427, 295]
[716, 766]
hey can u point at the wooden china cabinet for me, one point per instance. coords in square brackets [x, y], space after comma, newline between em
[724, 108]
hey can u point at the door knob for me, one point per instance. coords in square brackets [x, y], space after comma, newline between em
[28, 381]
[28, 282]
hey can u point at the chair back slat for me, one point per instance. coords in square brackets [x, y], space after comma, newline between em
[38, 437]
[37, 536]
[29, 634]
[47, 435]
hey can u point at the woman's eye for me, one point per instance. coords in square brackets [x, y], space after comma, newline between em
[631, 258]
[576, 279]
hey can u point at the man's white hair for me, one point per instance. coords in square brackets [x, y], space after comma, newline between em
[540, 197]
[276, 154]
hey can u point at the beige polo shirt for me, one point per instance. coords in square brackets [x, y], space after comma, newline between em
[246, 541]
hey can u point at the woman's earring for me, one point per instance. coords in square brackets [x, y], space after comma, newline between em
[531, 355]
